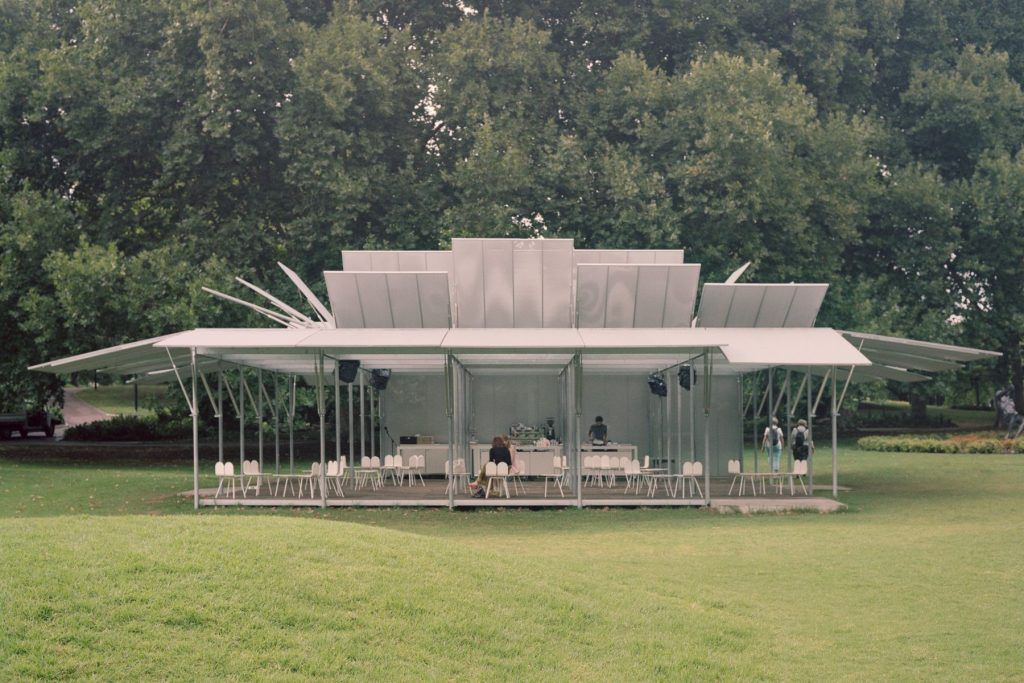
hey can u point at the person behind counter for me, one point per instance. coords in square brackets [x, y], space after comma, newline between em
[499, 453]
[598, 433]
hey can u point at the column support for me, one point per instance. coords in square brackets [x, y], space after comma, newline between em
[241, 418]
[277, 425]
[810, 430]
[259, 411]
[321, 410]
[220, 414]
[707, 425]
[195, 435]
[337, 413]
[449, 411]
[835, 437]
[362, 415]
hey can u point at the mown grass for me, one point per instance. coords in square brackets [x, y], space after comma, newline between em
[119, 399]
[103, 574]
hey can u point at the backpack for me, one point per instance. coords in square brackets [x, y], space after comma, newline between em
[800, 444]
[774, 431]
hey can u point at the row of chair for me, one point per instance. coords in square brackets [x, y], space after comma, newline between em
[797, 474]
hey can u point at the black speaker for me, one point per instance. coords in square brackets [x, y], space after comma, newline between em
[657, 385]
[684, 376]
[379, 379]
[348, 370]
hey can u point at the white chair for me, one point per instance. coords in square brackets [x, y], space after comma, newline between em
[225, 472]
[734, 470]
[608, 470]
[401, 468]
[633, 475]
[557, 474]
[388, 469]
[310, 480]
[799, 472]
[417, 465]
[497, 474]
[516, 473]
[647, 462]
[697, 471]
[334, 476]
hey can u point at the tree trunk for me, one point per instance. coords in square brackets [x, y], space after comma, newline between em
[1013, 358]
[918, 407]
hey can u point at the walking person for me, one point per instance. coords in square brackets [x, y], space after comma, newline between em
[772, 443]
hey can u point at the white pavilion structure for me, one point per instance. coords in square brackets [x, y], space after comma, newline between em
[437, 352]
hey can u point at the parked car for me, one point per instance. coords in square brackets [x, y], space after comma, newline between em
[29, 421]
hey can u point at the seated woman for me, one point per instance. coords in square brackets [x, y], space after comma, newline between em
[499, 453]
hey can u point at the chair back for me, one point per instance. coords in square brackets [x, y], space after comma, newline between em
[624, 462]
[314, 468]
[447, 468]
[229, 469]
[647, 462]
[375, 462]
[556, 463]
[389, 461]
[490, 469]
[502, 470]
[800, 467]
[698, 469]
[687, 469]
[606, 462]
[332, 468]
[634, 467]
[342, 464]
[400, 461]
[364, 461]
[218, 469]
[460, 466]
[734, 467]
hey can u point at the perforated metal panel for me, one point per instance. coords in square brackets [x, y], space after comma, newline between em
[388, 300]
[636, 295]
[760, 305]
[512, 283]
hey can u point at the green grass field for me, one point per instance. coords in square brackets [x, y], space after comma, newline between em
[104, 573]
[119, 399]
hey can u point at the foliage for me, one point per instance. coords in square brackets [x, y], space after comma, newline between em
[157, 427]
[977, 443]
[149, 147]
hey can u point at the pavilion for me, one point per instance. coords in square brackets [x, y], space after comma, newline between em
[446, 348]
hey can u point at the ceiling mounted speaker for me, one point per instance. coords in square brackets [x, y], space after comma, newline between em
[657, 385]
[379, 379]
[348, 370]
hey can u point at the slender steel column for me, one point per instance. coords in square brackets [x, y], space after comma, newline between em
[277, 425]
[351, 426]
[321, 410]
[362, 416]
[835, 437]
[220, 415]
[789, 417]
[337, 413]
[577, 404]
[259, 411]
[810, 430]
[195, 435]
[449, 411]
[693, 415]
[373, 422]
[757, 413]
[707, 425]
[291, 429]
[241, 418]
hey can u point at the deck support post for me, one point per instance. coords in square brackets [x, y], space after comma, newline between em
[195, 435]
[835, 437]
[373, 422]
[259, 411]
[321, 410]
[351, 426]
[810, 430]
[277, 425]
[707, 425]
[577, 405]
[337, 415]
[291, 428]
[220, 414]
[789, 418]
[449, 412]
[241, 418]
[362, 415]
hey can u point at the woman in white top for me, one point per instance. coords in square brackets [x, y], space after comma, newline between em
[773, 442]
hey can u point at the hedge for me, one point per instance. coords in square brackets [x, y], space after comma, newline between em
[131, 428]
[932, 444]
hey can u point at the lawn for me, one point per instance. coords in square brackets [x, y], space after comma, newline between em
[104, 574]
[119, 399]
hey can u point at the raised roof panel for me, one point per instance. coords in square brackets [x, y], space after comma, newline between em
[636, 295]
[389, 299]
[760, 305]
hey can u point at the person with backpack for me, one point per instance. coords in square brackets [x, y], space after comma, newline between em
[773, 442]
[800, 441]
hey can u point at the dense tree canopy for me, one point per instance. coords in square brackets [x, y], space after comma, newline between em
[148, 147]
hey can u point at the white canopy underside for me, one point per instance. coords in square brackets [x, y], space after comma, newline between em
[542, 350]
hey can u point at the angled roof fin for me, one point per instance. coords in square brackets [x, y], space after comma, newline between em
[737, 273]
[317, 305]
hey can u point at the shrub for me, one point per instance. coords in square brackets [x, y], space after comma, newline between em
[131, 428]
[907, 444]
[983, 446]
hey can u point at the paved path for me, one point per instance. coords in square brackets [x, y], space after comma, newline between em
[77, 411]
